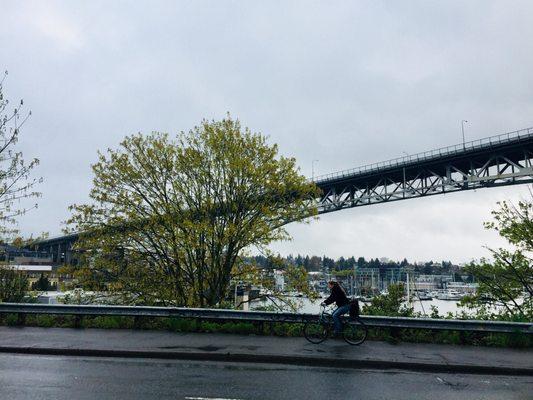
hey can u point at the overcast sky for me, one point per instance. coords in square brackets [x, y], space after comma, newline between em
[346, 83]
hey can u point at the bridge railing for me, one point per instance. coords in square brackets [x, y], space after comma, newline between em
[488, 142]
[261, 316]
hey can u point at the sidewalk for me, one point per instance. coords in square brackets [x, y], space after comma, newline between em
[265, 349]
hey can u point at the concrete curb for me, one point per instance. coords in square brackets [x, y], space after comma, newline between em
[275, 359]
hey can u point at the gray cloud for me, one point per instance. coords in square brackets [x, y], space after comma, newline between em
[348, 84]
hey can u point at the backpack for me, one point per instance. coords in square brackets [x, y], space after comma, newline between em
[354, 308]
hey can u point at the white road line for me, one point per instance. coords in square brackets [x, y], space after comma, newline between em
[208, 398]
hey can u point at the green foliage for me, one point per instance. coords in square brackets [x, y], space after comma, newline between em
[108, 322]
[507, 281]
[170, 217]
[237, 327]
[344, 273]
[42, 284]
[390, 304]
[21, 242]
[11, 319]
[179, 325]
[15, 181]
[13, 285]
[44, 321]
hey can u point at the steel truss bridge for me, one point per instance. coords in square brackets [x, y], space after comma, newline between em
[490, 162]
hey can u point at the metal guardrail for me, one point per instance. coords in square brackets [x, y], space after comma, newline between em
[488, 142]
[262, 316]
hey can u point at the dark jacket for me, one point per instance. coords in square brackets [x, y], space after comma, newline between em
[338, 296]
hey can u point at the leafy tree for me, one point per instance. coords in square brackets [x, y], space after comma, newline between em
[42, 284]
[344, 272]
[507, 281]
[170, 218]
[328, 263]
[314, 263]
[21, 242]
[15, 181]
[341, 263]
[391, 304]
[306, 263]
[13, 285]
[374, 263]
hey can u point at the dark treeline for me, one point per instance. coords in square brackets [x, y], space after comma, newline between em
[315, 263]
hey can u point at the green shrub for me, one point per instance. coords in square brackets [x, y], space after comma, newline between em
[180, 325]
[12, 319]
[107, 322]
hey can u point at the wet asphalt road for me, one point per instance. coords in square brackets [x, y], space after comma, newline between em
[77, 378]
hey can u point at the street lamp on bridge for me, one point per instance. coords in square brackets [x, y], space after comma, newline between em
[313, 169]
[463, 130]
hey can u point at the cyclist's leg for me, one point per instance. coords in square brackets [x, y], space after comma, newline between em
[337, 324]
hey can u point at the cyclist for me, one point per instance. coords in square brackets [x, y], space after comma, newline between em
[343, 305]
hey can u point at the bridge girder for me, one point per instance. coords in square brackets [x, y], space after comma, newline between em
[491, 162]
[507, 161]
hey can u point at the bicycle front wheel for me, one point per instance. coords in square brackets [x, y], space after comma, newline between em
[355, 332]
[315, 332]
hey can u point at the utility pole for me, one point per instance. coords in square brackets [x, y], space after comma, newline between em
[408, 289]
[354, 281]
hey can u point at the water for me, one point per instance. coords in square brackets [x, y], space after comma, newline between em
[307, 306]
[444, 306]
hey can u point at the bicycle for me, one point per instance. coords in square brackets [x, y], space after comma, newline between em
[354, 331]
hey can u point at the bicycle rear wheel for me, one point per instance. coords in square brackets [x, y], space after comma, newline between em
[315, 332]
[354, 332]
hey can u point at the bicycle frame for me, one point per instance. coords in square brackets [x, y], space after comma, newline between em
[325, 317]
[325, 320]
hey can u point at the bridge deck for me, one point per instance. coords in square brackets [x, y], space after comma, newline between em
[495, 161]
[516, 140]
[499, 160]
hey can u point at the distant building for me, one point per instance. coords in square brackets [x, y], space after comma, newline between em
[461, 287]
[14, 255]
[431, 282]
[374, 280]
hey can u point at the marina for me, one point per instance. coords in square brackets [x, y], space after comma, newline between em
[423, 306]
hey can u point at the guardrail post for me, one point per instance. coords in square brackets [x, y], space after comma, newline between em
[395, 334]
[77, 321]
[198, 324]
[21, 319]
[137, 321]
[462, 337]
